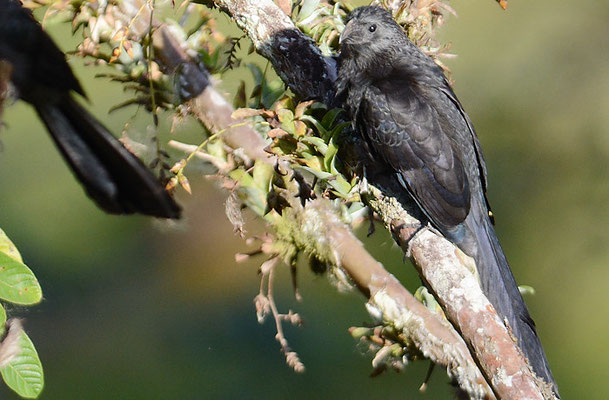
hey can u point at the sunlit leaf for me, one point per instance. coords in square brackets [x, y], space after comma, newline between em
[17, 282]
[340, 184]
[319, 143]
[308, 6]
[331, 152]
[319, 174]
[24, 372]
[248, 191]
[262, 174]
[286, 117]
[7, 247]
[302, 107]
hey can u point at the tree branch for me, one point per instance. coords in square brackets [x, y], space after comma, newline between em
[433, 336]
[295, 57]
[303, 228]
[444, 267]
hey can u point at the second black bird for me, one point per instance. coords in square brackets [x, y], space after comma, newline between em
[112, 176]
[415, 129]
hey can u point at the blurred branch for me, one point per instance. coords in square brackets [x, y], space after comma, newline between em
[195, 83]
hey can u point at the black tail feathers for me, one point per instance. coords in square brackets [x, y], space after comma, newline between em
[500, 287]
[112, 176]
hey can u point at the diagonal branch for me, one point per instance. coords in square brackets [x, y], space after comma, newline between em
[434, 337]
[442, 265]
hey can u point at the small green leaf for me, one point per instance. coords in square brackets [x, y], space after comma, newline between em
[286, 102]
[286, 117]
[262, 174]
[249, 192]
[330, 117]
[17, 282]
[330, 155]
[314, 162]
[341, 185]
[242, 177]
[339, 128]
[322, 131]
[319, 143]
[24, 372]
[7, 247]
[319, 174]
[308, 6]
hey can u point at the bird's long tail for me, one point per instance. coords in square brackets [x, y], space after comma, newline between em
[112, 176]
[499, 285]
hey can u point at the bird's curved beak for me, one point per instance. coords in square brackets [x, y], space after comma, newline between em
[345, 34]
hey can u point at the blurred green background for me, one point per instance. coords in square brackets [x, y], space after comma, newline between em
[137, 309]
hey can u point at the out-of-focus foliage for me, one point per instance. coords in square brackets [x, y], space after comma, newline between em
[19, 364]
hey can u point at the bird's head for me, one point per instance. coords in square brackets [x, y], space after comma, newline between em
[370, 32]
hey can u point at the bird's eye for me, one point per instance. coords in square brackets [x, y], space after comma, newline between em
[372, 28]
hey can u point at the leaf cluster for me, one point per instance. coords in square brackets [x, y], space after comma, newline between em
[20, 367]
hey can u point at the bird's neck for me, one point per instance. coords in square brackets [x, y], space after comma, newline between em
[352, 83]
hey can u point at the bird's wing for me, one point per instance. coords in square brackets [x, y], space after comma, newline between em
[455, 119]
[405, 131]
[447, 91]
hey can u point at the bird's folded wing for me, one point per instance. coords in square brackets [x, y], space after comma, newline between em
[405, 131]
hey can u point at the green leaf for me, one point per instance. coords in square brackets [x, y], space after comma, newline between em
[308, 6]
[320, 128]
[17, 282]
[24, 372]
[330, 117]
[319, 143]
[339, 128]
[342, 187]
[286, 117]
[263, 174]
[319, 174]
[7, 247]
[330, 155]
[249, 192]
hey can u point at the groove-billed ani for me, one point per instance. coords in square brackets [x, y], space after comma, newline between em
[415, 129]
[112, 176]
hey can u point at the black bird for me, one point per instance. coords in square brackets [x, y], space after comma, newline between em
[112, 176]
[415, 129]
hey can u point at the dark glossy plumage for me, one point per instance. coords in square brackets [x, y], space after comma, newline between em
[416, 129]
[112, 176]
